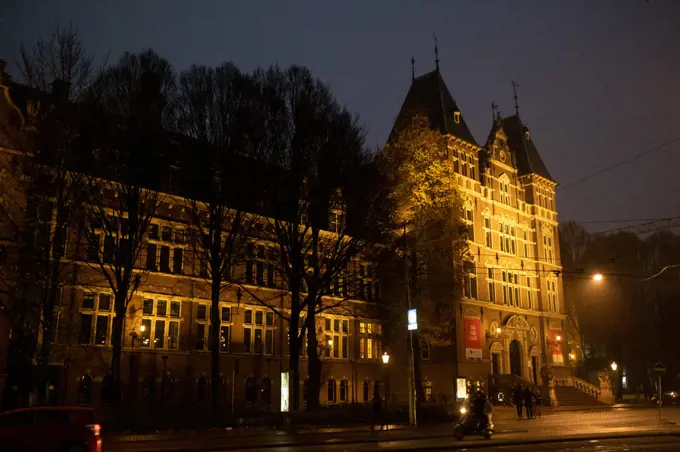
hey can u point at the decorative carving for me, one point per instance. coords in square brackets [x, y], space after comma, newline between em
[493, 329]
[496, 347]
[533, 334]
[517, 322]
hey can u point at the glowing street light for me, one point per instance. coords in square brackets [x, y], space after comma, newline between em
[330, 341]
[142, 328]
[598, 277]
[614, 366]
[572, 356]
[498, 330]
[558, 338]
[385, 358]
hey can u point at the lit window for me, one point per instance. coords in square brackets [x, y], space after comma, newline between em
[258, 339]
[370, 344]
[96, 314]
[159, 331]
[492, 285]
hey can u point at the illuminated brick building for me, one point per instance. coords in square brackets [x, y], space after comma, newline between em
[512, 317]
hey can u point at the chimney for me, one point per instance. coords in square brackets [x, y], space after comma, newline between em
[4, 76]
[60, 91]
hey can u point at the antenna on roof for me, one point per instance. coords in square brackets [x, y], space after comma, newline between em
[515, 85]
[413, 68]
[436, 51]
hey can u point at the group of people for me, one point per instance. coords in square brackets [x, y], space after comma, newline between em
[530, 400]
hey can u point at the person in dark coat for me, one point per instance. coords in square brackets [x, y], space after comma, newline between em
[518, 397]
[538, 401]
[529, 402]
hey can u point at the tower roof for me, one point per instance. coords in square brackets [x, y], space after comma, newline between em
[429, 95]
[529, 161]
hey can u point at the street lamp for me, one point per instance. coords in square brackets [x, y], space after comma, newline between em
[598, 277]
[330, 342]
[498, 330]
[558, 338]
[614, 366]
[572, 356]
[385, 358]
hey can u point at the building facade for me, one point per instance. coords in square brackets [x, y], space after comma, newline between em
[511, 319]
[166, 352]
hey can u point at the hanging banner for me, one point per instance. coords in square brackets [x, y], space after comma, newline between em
[556, 338]
[473, 337]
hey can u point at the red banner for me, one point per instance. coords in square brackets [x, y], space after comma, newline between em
[556, 338]
[473, 337]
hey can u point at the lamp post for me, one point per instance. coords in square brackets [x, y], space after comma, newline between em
[388, 385]
[412, 321]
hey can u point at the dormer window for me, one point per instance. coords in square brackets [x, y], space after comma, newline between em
[456, 117]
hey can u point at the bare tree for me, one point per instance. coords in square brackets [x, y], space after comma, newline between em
[126, 176]
[213, 112]
[52, 188]
[313, 149]
[61, 56]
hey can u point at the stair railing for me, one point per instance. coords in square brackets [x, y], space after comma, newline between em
[582, 385]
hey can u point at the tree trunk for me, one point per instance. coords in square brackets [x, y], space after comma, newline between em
[314, 362]
[215, 344]
[294, 343]
[117, 344]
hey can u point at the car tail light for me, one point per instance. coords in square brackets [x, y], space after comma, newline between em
[95, 428]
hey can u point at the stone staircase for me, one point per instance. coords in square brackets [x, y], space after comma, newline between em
[572, 391]
[570, 396]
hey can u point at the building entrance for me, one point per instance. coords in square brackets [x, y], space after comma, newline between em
[515, 359]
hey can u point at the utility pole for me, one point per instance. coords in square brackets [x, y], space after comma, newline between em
[411, 367]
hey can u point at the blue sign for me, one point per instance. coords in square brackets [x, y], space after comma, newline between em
[412, 318]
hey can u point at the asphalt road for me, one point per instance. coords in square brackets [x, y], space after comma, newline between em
[547, 432]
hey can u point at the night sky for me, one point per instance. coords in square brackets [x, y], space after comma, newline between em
[599, 80]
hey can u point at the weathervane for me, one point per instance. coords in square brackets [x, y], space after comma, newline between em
[515, 85]
[436, 51]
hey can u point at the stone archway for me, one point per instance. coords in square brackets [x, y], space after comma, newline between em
[515, 358]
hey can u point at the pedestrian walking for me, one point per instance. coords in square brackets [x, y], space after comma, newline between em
[518, 397]
[529, 401]
[538, 401]
[377, 412]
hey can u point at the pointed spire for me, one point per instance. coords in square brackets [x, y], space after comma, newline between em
[515, 85]
[494, 109]
[413, 68]
[436, 52]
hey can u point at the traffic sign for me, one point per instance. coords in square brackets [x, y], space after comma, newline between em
[659, 368]
[412, 318]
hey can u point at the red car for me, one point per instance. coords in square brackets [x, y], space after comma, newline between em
[50, 429]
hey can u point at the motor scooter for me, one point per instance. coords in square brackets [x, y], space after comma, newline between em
[470, 425]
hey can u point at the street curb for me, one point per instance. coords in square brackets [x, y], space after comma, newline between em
[328, 442]
[527, 442]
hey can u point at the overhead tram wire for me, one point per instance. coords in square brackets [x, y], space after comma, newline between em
[620, 163]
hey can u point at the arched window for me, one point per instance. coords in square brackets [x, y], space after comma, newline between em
[108, 390]
[266, 390]
[202, 390]
[331, 391]
[85, 390]
[344, 391]
[367, 391]
[148, 387]
[251, 391]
